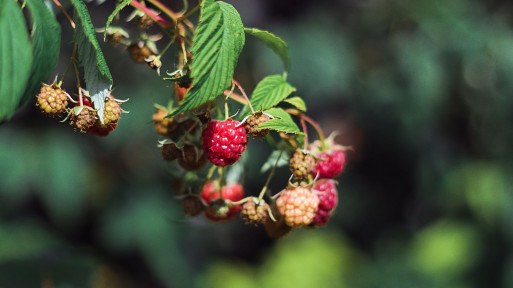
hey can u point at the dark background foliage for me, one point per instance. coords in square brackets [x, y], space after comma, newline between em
[421, 89]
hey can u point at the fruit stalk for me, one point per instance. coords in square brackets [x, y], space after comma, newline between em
[159, 20]
[56, 2]
[262, 193]
[244, 94]
[173, 15]
[310, 121]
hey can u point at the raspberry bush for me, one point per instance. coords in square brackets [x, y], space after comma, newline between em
[206, 126]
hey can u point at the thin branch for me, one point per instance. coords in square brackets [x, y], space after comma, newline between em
[160, 21]
[310, 121]
[56, 2]
[173, 15]
[244, 94]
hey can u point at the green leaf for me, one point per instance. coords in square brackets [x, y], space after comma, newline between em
[96, 73]
[282, 122]
[274, 42]
[270, 91]
[297, 102]
[218, 42]
[15, 57]
[46, 43]
[114, 13]
[277, 155]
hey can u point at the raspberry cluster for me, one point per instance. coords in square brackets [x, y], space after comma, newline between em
[309, 199]
[83, 117]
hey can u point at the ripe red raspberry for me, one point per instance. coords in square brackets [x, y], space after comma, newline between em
[101, 130]
[301, 164]
[326, 190]
[83, 119]
[224, 142]
[252, 122]
[52, 100]
[331, 165]
[255, 211]
[298, 206]
[219, 200]
[331, 157]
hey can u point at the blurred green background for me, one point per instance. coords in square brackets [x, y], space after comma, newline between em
[422, 90]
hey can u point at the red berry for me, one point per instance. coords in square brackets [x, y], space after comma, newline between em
[219, 207]
[298, 206]
[101, 130]
[331, 165]
[321, 218]
[326, 190]
[224, 142]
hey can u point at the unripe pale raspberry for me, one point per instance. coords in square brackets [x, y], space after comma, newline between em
[252, 122]
[326, 189]
[224, 142]
[111, 116]
[298, 206]
[52, 100]
[84, 120]
[255, 211]
[111, 112]
[301, 164]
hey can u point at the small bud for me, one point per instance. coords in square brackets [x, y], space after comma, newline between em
[154, 63]
[204, 116]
